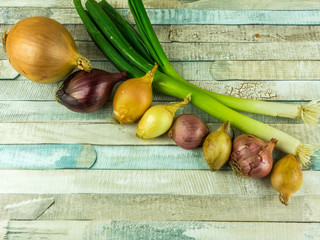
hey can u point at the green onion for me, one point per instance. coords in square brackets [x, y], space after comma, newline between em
[178, 87]
[309, 114]
[150, 39]
[126, 30]
[103, 44]
[109, 29]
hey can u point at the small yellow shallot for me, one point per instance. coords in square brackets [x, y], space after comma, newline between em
[133, 97]
[286, 177]
[217, 147]
[158, 119]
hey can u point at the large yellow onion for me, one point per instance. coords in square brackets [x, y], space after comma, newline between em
[42, 50]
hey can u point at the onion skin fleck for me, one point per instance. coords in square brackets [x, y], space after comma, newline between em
[42, 50]
[286, 177]
[188, 131]
[87, 92]
[217, 147]
[251, 156]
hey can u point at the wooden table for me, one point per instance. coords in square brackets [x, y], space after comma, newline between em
[66, 175]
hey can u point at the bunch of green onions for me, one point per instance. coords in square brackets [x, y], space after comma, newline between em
[136, 53]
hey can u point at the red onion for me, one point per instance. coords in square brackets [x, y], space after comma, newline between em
[87, 92]
[251, 156]
[188, 131]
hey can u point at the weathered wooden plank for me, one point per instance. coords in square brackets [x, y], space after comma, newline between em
[11, 15]
[3, 228]
[221, 51]
[111, 134]
[260, 90]
[49, 230]
[241, 51]
[218, 33]
[7, 72]
[265, 70]
[162, 230]
[74, 133]
[192, 182]
[224, 70]
[202, 4]
[235, 33]
[172, 207]
[108, 157]
[112, 157]
[47, 156]
[28, 210]
[264, 90]
[51, 111]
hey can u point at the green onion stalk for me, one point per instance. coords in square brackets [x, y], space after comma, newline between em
[309, 113]
[105, 27]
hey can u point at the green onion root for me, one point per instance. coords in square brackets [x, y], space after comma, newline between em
[310, 113]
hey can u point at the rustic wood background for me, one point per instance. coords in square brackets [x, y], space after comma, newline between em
[66, 175]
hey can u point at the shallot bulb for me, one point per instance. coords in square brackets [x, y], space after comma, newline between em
[133, 97]
[217, 147]
[158, 119]
[286, 177]
[188, 131]
[87, 92]
[251, 156]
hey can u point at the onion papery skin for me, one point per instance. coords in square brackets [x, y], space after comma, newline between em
[42, 50]
[251, 156]
[188, 131]
[87, 92]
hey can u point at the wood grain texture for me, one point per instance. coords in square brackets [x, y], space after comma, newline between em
[218, 33]
[266, 50]
[179, 182]
[7, 72]
[225, 70]
[110, 134]
[175, 207]
[221, 51]
[265, 70]
[259, 90]
[161, 230]
[201, 4]
[51, 111]
[47, 156]
[11, 15]
[28, 210]
[3, 228]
